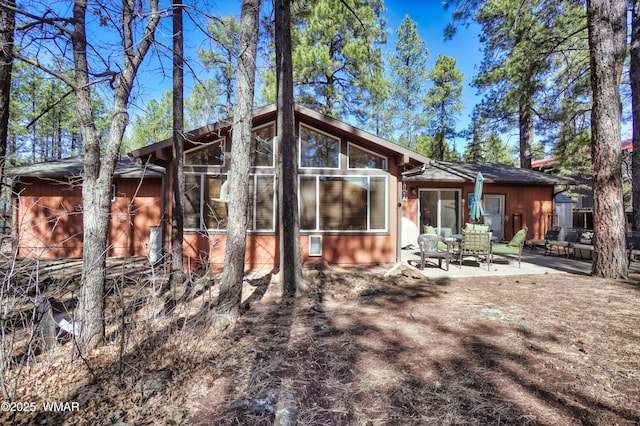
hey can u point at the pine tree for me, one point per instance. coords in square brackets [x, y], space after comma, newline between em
[408, 68]
[443, 102]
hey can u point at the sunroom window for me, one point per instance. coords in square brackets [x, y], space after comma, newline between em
[262, 146]
[318, 150]
[343, 203]
[205, 206]
[360, 158]
[210, 154]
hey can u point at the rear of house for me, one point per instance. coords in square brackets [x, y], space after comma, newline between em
[348, 181]
[356, 192]
[361, 198]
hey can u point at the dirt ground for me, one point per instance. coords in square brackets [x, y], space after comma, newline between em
[358, 349]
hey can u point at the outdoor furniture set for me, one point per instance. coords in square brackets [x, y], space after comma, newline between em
[579, 243]
[576, 241]
[475, 241]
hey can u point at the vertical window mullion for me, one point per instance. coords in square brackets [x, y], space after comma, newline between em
[202, 223]
[255, 202]
[317, 203]
[368, 203]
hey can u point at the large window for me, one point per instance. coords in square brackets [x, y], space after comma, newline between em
[343, 203]
[318, 150]
[206, 206]
[210, 154]
[360, 158]
[262, 146]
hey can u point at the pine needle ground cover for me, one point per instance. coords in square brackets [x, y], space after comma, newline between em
[358, 348]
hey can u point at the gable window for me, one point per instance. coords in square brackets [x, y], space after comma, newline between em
[318, 150]
[210, 154]
[360, 158]
[343, 203]
[206, 207]
[262, 146]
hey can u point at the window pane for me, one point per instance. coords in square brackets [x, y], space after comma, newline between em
[354, 203]
[215, 210]
[207, 155]
[192, 202]
[318, 150]
[361, 159]
[262, 146]
[343, 203]
[307, 202]
[264, 203]
[449, 209]
[428, 209]
[377, 203]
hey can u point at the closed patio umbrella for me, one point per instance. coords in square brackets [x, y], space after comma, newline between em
[475, 210]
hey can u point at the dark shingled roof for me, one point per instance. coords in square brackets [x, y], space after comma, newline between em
[73, 167]
[492, 172]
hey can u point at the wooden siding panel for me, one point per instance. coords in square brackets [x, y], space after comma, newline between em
[49, 218]
[533, 202]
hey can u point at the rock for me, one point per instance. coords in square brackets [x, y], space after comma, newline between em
[312, 274]
[412, 273]
[271, 401]
[318, 308]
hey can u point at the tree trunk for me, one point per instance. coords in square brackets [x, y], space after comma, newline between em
[606, 21]
[525, 121]
[7, 25]
[233, 274]
[177, 275]
[635, 101]
[290, 263]
[99, 161]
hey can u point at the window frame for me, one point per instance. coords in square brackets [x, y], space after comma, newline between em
[222, 141]
[329, 135]
[384, 157]
[368, 230]
[252, 226]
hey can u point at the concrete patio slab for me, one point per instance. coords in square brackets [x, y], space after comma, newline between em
[533, 262]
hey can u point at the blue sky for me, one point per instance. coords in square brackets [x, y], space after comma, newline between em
[431, 21]
[464, 47]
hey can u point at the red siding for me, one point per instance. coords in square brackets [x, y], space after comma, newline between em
[534, 203]
[49, 218]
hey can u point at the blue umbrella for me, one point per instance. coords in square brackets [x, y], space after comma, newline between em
[475, 210]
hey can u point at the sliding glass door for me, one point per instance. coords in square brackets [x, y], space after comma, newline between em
[440, 208]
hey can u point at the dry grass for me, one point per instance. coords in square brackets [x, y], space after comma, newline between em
[360, 349]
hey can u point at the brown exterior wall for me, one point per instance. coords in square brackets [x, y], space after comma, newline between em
[534, 203]
[49, 218]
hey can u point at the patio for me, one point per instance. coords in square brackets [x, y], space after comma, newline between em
[533, 262]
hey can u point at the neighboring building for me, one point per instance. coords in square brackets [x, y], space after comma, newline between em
[355, 189]
[582, 193]
[47, 211]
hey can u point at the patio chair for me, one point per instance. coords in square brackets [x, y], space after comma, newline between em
[633, 245]
[551, 235]
[476, 244]
[512, 247]
[572, 237]
[434, 246]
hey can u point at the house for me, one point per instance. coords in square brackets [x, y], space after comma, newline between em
[349, 184]
[356, 192]
[582, 193]
[47, 208]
